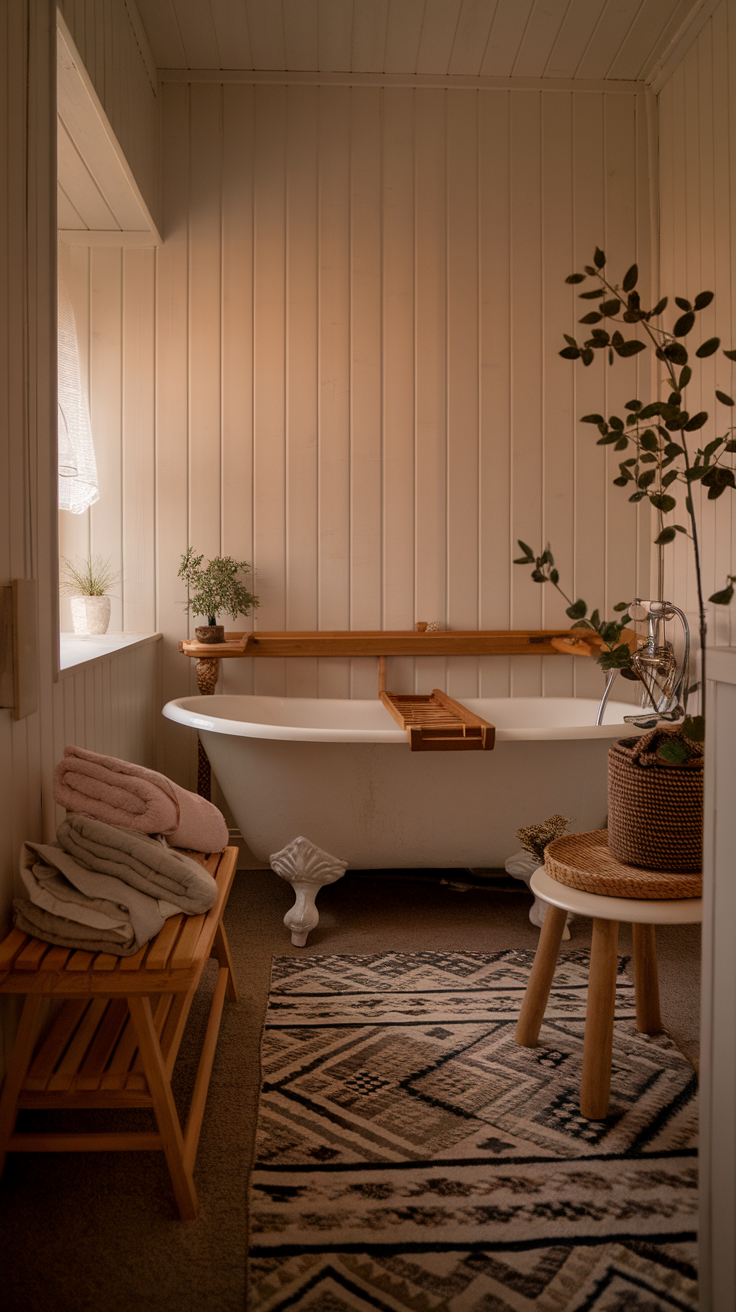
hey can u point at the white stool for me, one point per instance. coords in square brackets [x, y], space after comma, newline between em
[606, 912]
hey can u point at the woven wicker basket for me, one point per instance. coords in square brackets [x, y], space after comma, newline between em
[655, 810]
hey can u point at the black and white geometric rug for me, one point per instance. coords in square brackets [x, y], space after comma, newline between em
[412, 1158]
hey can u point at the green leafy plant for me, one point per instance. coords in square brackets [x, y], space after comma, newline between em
[656, 437]
[678, 749]
[216, 589]
[615, 654]
[92, 577]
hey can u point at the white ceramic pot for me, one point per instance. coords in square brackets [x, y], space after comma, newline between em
[90, 614]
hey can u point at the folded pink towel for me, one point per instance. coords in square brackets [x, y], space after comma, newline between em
[121, 793]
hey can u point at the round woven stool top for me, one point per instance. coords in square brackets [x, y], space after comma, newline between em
[632, 910]
[584, 861]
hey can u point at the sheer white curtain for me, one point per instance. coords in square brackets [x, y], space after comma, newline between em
[78, 486]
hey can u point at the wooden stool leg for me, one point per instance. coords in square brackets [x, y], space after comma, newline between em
[163, 1106]
[596, 1082]
[19, 1062]
[540, 981]
[646, 982]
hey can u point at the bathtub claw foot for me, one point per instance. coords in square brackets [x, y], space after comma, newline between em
[307, 868]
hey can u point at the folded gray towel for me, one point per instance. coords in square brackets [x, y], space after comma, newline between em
[67, 933]
[139, 860]
[82, 906]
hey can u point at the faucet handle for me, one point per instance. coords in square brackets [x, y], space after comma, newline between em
[655, 610]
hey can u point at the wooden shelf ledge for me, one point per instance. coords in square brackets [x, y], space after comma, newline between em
[386, 642]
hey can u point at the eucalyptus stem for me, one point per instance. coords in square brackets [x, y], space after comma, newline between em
[702, 616]
[663, 342]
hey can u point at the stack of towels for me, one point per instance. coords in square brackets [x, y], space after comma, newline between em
[115, 877]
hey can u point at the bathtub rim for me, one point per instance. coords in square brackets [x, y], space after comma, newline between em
[188, 711]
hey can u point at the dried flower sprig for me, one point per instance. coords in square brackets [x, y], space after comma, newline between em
[534, 838]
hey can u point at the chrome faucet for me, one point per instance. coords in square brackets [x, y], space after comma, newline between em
[662, 676]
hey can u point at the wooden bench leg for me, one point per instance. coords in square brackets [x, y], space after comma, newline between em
[221, 949]
[163, 1105]
[204, 1072]
[540, 980]
[596, 1082]
[25, 1041]
[646, 982]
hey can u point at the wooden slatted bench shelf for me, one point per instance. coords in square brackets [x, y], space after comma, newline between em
[115, 1039]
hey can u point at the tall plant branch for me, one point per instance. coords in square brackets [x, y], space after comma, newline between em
[689, 503]
[664, 443]
[702, 615]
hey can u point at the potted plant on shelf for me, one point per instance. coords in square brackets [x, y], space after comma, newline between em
[87, 582]
[215, 590]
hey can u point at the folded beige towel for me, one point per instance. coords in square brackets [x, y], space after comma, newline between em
[139, 861]
[75, 907]
[105, 888]
[42, 924]
[121, 793]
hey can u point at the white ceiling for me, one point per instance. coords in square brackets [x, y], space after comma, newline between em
[619, 39]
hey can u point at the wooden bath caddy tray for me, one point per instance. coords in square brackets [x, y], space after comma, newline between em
[584, 861]
[436, 723]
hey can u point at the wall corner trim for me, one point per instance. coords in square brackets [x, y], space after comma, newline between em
[413, 81]
[684, 37]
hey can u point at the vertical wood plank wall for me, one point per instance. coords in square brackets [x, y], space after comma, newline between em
[361, 300]
[113, 705]
[120, 65]
[698, 253]
[27, 401]
[357, 310]
[410, 416]
[110, 705]
[112, 292]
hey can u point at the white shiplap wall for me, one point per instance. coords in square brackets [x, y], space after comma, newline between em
[698, 252]
[112, 292]
[357, 311]
[112, 43]
[360, 303]
[112, 706]
[27, 404]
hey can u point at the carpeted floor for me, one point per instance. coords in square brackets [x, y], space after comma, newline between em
[85, 1231]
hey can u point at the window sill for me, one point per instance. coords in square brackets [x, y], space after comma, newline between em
[77, 649]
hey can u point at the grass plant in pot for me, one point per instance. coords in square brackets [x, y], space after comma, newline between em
[87, 583]
[215, 590]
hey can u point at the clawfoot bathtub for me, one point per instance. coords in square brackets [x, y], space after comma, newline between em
[342, 774]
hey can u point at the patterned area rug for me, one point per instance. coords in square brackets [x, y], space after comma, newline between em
[411, 1156]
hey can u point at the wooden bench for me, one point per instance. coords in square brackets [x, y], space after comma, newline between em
[115, 1038]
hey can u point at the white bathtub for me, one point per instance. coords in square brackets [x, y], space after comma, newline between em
[341, 773]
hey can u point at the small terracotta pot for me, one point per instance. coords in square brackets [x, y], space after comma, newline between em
[210, 633]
